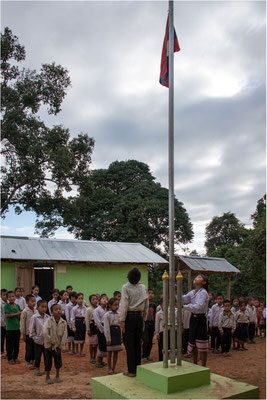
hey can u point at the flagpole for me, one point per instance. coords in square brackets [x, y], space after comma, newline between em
[171, 183]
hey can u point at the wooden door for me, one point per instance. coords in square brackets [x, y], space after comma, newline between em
[25, 278]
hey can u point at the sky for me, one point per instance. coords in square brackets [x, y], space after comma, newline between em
[112, 51]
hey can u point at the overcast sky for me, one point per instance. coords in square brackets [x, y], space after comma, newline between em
[112, 51]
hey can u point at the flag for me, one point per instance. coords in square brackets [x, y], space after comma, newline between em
[164, 67]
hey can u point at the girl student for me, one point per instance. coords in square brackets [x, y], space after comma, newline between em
[77, 322]
[98, 314]
[68, 309]
[91, 328]
[234, 309]
[112, 332]
[54, 300]
[197, 302]
[242, 321]
[63, 302]
[35, 293]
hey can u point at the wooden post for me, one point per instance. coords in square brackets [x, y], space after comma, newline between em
[189, 280]
[228, 286]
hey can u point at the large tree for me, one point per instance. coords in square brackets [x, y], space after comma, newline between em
[121, 203]
[39, 164]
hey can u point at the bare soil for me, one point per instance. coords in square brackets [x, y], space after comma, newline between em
[20, 383]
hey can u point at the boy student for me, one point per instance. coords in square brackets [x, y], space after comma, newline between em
[68, 309]
[3, 321]
[159, 329]
[12, 313]
[149, 326]
[226, 327]
[252, 320]
[35, 292]
[55, 336]
[25, 318]
[134, 308]
[54, 300]
[19, 299]
[36, 327]
[216, 309]
[69, 289]
[91, 328]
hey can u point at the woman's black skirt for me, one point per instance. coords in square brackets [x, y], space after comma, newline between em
[79, 335]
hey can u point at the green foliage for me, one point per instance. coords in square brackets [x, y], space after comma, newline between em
[40, 164]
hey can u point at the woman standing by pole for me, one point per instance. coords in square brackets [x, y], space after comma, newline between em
[197, 302]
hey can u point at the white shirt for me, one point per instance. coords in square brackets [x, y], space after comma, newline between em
[68, 309]
[36, 328]
[159, 323]
[3, 317]
[21, 302]
[134, 298]
[110, 318]
[98, 315]
[196, 302]
[37, 298]
[264, 313]
[214, 315]
[50, 303]
[186, 315]
[77, 311]
[252, 314]
[63, 306]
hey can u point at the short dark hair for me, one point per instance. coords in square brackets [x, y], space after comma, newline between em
[235, 298]
[34, 286]
[104, 294]
[78, 295]
[112, 301]
[205, 279]
[116, 293]
[151, 290]
[242, 302]
[39, 302]
[55, 291]
[68, 287]
[62, 292]
[134, 276]
[226, 301]
[91, 296]
[220, 295]
[28, 297]
[3, 291]
[10, 291]
[72, 294]
[251, 298]
[54, 305]
[16, 288]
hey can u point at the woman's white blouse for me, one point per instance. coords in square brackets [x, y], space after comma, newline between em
[196, 302]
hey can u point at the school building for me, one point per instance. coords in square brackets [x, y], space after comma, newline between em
[89, 266]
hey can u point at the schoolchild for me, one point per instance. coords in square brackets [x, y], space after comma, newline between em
[19, 299]
[69, 307]
[3, 322]
[159, 325]
[36, 327]
[69, 289]
[35, 293]
[98, 315]
[55, 336]
[226, 327]
[112, 332]
[149, 326]
[12, 314]
[25, 318]
[252, 320]
[134, 309]
[77, 322]
[117, 295]
[63, 295]
[91, 328]
[234, 309]
[242, 321]
[214, 321]
[54, 300]
[159, 306]
[186, 315]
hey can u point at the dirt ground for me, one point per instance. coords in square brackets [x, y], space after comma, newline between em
[20, 383]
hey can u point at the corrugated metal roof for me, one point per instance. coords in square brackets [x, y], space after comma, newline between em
[37, 249]
[208, 264]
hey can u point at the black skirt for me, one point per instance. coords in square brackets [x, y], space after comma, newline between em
[70, 332]
[198, 328]
[102, 344]
[79, 335]
[241, 331]
[115, 334]
[93, 328]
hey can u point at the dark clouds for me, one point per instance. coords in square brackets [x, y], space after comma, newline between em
[112, 50]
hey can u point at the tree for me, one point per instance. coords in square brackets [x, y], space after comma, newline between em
[122, 203]
[39, 164]
[224, 230]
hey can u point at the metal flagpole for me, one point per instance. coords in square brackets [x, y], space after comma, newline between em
[171, 183]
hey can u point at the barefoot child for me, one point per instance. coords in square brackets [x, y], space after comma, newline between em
[36, 327]
[3, 321]
[55, 336]
[78, 323]
[242, 321]
[25, 318]
[98, 315]
[91, 328]
[112, 331]
[226, 327]
[68, 309]
[12, 313]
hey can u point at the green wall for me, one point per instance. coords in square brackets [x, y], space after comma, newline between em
[90, 279]
[8, 275]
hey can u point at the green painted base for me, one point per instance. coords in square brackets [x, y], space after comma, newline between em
[121, 387]
[174, 378]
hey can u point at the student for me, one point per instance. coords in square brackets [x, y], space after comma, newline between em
[55, 336]
[12, 314]
[19, 299]
[242, 321]
[262, 319]
[63, 295]
[197, 302]
[214, 321]
[257, 327]
[69, 307]
[91, 328]
[36, 327]
[117, 295]
[69, 289]
[134, 308]
[3, 321]
[54, 300]
[25, 318]
[252, 320]
[98, 315]
[234, 309]
[35, 292]
[211, 302]
[149, 327]
[226, 327]
[98, 297]
[159, 306]
[77, 322]
[159, 323]
[22, 291]
[112, 332]
[186, 315]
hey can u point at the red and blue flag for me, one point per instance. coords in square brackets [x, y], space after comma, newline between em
[164, 67]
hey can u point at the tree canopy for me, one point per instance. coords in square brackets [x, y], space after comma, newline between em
[39, 164]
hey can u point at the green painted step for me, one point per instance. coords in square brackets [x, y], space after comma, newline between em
[174, 378]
